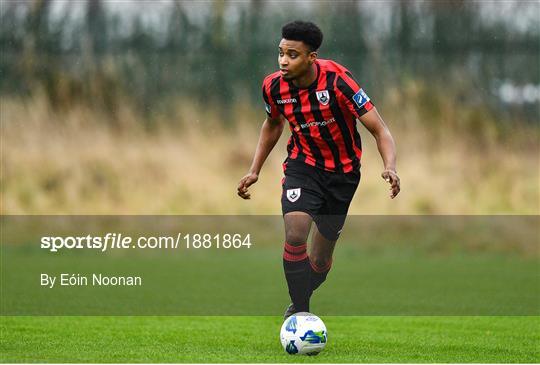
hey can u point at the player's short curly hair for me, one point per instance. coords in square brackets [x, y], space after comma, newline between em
[307, 32]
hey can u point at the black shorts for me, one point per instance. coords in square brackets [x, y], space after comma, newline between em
[324, 195]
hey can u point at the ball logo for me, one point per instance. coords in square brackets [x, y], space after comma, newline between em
[293, 194]
[314, 336]
[323, 97]
[291, 325]
[291, 348]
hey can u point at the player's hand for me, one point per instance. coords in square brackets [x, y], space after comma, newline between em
[245, 182]
[390, 176]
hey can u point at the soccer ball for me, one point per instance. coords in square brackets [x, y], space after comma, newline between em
[303, 334]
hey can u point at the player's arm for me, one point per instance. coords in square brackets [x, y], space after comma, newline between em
[270, 132]
[359, 104]
[387, 148]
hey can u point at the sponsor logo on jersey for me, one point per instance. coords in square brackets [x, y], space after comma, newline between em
[360, 98]
[318, 124]
[287, 101]
[323, 97]
[293, 194]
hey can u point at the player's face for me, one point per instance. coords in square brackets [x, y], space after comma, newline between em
[295, 59]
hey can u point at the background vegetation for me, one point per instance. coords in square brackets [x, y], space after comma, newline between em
[154, 107]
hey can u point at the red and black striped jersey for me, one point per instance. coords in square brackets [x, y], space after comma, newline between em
[322, 117]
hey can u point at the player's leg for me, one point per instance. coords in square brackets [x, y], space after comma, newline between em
[301, 200]
[339, 191]
[320, 258]
[295, 259]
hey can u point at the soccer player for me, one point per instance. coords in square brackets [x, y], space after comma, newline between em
[321, 102]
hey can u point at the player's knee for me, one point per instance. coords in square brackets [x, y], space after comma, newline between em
[297, 227]
[320, 261]
[295, 237]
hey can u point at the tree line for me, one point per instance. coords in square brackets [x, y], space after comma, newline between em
[88, 52]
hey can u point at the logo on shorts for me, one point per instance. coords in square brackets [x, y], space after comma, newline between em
[293, 194]
[323, 97]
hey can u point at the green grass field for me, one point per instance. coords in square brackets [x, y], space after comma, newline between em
[256, 339]
[415, 293]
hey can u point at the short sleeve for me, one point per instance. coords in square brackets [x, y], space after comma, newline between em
[269, 105]
[352, 95]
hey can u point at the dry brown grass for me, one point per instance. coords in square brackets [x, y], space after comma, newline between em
[75, 162]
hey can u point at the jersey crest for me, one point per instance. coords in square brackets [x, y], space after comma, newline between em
[323, 97]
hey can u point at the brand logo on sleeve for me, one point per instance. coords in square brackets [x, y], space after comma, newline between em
[323, 97]
[268, 109]
[360, 98]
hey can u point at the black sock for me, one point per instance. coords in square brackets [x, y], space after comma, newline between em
[298, 275]
[318, 274]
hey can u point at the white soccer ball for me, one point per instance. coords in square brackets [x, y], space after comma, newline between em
[303, 334]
